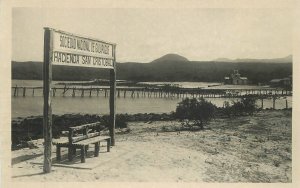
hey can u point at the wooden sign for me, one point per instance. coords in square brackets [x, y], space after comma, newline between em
[62, 48]
[73, 50]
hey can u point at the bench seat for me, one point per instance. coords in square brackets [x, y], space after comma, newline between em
[82, 142]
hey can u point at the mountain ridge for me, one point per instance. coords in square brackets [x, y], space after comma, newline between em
[190, 71]
[286, 59]
[170, 67]
[170, 57]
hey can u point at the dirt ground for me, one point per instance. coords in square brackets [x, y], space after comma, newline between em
[245, 149]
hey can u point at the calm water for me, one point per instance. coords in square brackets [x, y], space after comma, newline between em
[29, 105]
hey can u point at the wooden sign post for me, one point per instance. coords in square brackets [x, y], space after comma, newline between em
[112, 101]
[47, 121]
[62, 48]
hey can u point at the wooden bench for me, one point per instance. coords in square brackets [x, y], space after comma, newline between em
[80, 137]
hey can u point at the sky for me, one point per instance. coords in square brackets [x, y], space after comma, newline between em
[144, 34]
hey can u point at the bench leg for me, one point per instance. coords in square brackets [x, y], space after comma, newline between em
[83, 154]
[70, 153]
[86, 149]
[108, 145]
[97, 149]
[58, 156]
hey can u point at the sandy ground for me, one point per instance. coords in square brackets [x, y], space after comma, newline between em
[244, 149]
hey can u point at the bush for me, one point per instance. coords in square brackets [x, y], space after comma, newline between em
[199, 111]
[246, 106]
[121, 120]
[227, 108]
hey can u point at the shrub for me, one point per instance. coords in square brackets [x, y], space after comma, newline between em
[244, 106]
[121, 120]
[227, 108]
[199, 111]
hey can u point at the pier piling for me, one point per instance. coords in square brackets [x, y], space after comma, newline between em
[24, 91]
[160, 93]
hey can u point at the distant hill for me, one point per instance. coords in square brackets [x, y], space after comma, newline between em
[287, 59]
[170, 57]
[34, 71]
[162, 69]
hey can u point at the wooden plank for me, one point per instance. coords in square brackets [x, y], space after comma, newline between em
[80, 127]
[83, 142]
[91, 140]
[112, 99]
[47, 112]
[83, 137]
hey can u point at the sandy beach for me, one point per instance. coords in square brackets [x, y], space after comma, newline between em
[244, 149]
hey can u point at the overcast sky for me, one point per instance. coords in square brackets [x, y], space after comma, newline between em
[143, 35]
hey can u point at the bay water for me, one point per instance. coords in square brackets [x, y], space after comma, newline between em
[33, 105]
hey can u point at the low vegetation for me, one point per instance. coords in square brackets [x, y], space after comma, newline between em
[197, 111]
[31, 128]
[245, 106]
[193, 114]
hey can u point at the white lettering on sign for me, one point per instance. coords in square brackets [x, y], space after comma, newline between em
[72, 50]
[63, 58]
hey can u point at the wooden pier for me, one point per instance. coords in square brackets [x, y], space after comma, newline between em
[137, 92]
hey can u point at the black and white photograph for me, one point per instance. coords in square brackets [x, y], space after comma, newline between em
[151, 92]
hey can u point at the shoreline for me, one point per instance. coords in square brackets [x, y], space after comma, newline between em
[129, 114]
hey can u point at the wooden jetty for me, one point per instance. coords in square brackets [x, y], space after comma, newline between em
[137, 92]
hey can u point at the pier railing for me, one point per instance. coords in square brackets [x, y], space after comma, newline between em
[133, 92]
